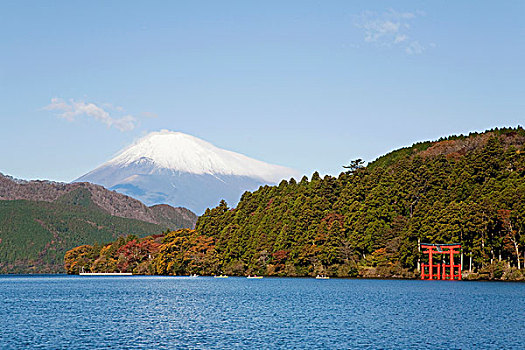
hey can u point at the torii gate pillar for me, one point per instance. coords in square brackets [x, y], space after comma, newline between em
[438, 271]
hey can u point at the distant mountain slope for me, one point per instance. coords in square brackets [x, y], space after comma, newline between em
[178, 169]
[111, 202]
[34, 235]
[41, 220]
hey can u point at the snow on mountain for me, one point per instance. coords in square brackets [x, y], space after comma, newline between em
[183, 170]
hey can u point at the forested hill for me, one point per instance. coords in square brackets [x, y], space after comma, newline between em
[467, 189]
[41, 220]
[367, 222]
[113, 203]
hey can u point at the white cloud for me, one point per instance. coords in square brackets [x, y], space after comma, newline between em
[390, 29]
[414, 48]
[72, 109]
[113, 107]
[400, 38]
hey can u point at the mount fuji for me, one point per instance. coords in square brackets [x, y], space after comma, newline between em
[168, 167]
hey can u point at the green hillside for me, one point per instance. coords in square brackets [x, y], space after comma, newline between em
[368, 221]
[34, 236]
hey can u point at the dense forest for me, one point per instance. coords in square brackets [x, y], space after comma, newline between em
[35, 235]
[367, 222]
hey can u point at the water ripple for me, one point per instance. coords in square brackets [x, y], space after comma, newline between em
[64, 312]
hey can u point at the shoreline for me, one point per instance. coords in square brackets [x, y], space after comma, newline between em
[238, 277]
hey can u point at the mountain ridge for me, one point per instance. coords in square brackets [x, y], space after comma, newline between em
[113, 203]
[173, 168]
[181, 152]
[41, 220]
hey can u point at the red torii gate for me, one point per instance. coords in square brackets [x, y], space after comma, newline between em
[439, 271]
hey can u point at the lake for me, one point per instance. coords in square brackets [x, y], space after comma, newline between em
[140, 312]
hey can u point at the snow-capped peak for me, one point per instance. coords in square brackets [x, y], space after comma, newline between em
[185, 153]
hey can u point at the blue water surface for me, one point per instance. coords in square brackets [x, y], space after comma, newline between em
[72, 312]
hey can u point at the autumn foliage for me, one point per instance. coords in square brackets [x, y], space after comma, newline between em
[179, 252]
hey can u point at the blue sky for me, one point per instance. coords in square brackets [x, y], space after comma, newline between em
[305, 84]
